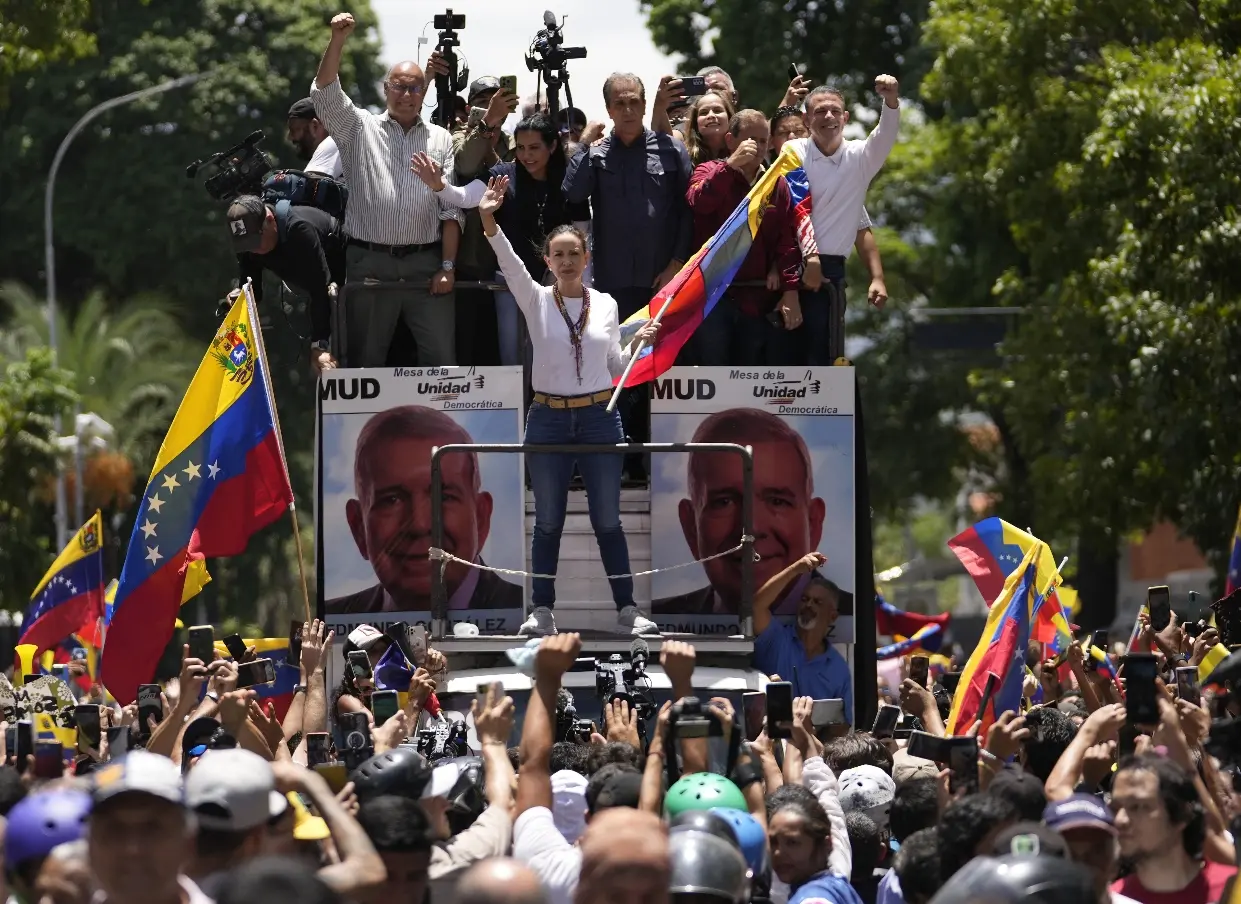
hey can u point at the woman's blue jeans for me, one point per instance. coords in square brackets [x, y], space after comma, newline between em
[550, 474]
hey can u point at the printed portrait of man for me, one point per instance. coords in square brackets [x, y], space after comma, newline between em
[390, 516]
[788, 517]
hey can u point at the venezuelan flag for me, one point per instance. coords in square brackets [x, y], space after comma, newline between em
[1233, 579]
[69, 599]
[691, 295]
[891, 621]
[927, 639]
[280, 692]
[220, 476]
[1213, 658]
[1002, 647]
[992, 550]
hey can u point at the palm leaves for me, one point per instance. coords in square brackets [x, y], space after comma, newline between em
[130, 364]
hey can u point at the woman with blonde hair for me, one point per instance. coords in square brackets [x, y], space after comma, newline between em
[709, 117]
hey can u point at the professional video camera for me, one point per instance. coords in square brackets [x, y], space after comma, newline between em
[616, 679]
[448, 86]
[443, 740]
[236, 171]
[568, 726]
[549, 57]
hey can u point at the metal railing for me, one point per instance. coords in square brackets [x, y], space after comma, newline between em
[439, 592]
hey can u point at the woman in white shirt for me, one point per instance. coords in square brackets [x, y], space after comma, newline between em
[577, 353]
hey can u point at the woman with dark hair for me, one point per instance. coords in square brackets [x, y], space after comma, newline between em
[577, 354]
[800, 836]
[537, 205]
[353, 695]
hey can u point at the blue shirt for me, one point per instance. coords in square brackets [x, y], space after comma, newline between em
[777, 651]
[824, 888]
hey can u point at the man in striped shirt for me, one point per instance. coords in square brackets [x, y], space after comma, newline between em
[393, 221]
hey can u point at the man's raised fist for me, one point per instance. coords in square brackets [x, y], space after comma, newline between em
[343, 25]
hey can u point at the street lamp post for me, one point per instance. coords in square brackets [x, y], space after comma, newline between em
[49, 255]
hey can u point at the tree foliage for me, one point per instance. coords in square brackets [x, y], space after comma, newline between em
[34, 33]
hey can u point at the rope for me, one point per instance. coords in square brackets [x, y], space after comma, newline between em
[438, 555]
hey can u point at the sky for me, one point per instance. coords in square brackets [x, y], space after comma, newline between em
[498, 33]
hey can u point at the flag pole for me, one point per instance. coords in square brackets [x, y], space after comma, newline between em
[634, 358]
[252, 307]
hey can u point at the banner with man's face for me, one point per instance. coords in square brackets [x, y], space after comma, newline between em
[377, 427]
[800, 425]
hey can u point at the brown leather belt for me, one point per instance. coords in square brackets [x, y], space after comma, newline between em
[573, 401]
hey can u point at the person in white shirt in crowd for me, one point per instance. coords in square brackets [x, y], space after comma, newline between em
[309, 135]
[839, 172]
[393, 221]
[575, 332]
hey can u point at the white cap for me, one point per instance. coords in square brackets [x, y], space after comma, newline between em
[443, 779]
[365, 636]
[569, 803]
[233, 791]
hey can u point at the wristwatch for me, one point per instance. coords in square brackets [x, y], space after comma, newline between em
[448, 266]
[321, 345]
[299, 689]
[213, 696]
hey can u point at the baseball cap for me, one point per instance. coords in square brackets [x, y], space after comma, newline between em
[138, 772]
[867, 789]
[203, 734]
[233, 791]
[302, 109]
[305, 826]
[906, 768]
[365, 636]
[1030, 839]
[1081, 811]
[482, 85]
[569, 803]
[443, 780]
[246, 217]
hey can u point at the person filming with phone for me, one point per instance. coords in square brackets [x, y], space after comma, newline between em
[577, 353]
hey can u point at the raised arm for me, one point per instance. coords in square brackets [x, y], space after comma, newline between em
[770, 592]
[534, 779]
[432, 175]
[332, 105]
[882, 139]
[525, 290]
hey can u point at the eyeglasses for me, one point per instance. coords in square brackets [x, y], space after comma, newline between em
[399, 88]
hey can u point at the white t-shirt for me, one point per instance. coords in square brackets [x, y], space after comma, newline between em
[326, 160]
[538, 844]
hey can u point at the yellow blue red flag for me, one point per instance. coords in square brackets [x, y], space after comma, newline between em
[1233, 579]
[69, 599]
[220, 476]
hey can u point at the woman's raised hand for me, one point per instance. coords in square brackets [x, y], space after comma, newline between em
[428, 171]
[494, 197]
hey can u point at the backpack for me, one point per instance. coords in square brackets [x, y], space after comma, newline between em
[296, 187]
[281, 211]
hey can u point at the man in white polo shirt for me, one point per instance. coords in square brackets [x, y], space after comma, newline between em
[839, 172]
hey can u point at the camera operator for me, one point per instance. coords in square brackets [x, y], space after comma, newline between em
[310, 137]
[304, 247]
[393, 221]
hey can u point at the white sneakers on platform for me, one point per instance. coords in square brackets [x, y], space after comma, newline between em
[629, 620]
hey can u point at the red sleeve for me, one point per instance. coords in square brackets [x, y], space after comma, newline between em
[787, 256]
[710, 189]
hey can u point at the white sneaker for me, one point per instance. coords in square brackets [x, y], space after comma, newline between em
[541, 623]
[631, 621]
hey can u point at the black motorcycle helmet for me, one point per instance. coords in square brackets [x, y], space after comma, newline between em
[1016, 879]
[705, 821]
[707, 864]
[467, 799]
[402, 771]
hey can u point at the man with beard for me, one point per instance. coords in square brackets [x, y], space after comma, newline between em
[309, 135]
[391, 517]
[801, 652]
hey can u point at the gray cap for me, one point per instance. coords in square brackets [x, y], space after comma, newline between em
[483, 85]
[138, 772]
[233, 791]
[246, 217]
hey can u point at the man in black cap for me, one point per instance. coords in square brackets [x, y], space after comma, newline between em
[303, 246]
[310, 137]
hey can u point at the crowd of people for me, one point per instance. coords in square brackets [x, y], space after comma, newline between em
[218, 800]
[644, 198]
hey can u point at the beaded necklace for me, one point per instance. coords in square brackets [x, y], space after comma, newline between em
[576, 331]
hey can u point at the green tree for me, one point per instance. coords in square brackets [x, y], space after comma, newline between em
[846, 43]
[32, 393]
[32, 34]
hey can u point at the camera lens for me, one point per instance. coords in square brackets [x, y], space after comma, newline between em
[355, 740]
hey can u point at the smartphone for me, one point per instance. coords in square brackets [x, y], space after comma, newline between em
[1141, 695]
[61, 670]
[693, 85]
[258, 671]
[1099, 641]
[236, 647]
[886, 721]
[794, 71]
[360, 664]
[919, 669]
[23, 743]
[1159, 605]
[753, 710]
[780, 709]
[294, 657]
[925, 746]
[317, 748]
[10, 740]
[1187, 685]
[988, 691]
[79, 653]
[335, 774]
[962, 756]
[86, 717]
[949, 681]
[149, 704]
[118, 741]
[1126, 741]
[399, 632]
[508, 83]
[418, 645]
[49, 759]
[202, 643]
[384, 706]
[448, 21]
[358, 744]
[827, 712]
[480, 694]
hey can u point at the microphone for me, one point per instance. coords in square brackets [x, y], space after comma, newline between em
[639, 650]
[549, 19]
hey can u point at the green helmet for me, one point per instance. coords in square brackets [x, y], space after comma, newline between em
[702, 791]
